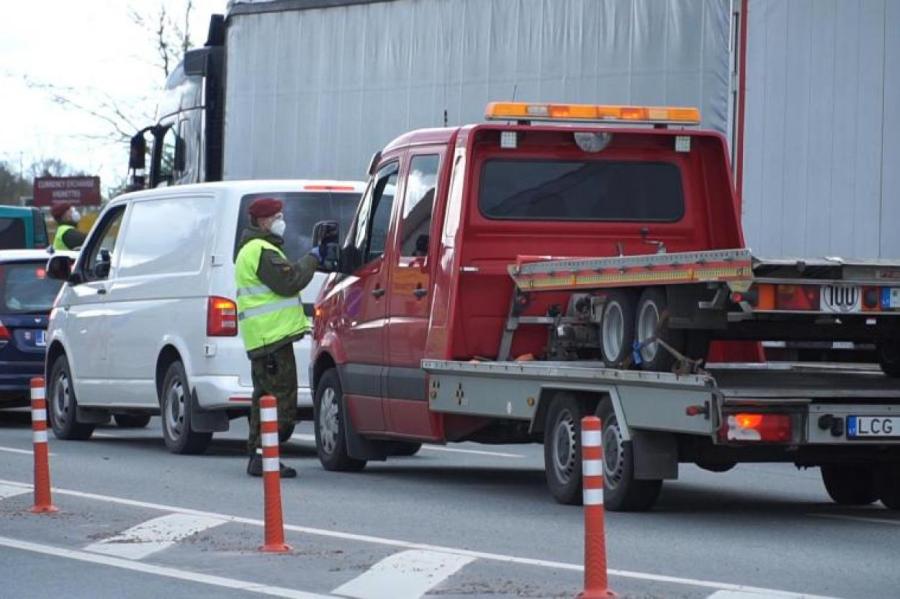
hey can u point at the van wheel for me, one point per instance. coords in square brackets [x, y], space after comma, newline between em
[331, 442]
[889, 358]
[622, 492]
[650, 310]
[849, 484]
[889, 486]
[132, 420]
[63, 405]
[562, 448]
[617, 327]
[175, 409]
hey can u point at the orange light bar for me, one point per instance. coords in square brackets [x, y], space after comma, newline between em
[328, 188]
[526, 111]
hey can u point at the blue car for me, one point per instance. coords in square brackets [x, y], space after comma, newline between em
[26, 298]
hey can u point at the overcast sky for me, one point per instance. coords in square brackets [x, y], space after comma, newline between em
[93, 47]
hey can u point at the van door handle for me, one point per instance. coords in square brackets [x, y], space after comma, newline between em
[378, 292]
[101, 291]
[420, 292]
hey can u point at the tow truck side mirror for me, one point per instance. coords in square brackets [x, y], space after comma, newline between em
[137, 160]
[326, 237]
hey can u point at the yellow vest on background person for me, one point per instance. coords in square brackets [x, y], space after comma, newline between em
[58, 243]
[264, 317]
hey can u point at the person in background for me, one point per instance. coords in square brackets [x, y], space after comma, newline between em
[67, 237]
[270, 318]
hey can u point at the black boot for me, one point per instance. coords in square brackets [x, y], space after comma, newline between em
[254, 466]
[287, 471]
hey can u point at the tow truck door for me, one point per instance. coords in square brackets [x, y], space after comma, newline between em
[410, 301]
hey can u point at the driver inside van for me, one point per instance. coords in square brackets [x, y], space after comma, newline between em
[270, 319]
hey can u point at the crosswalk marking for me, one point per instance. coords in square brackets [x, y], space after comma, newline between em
[153, 535]
[404, 575]
[11, 491]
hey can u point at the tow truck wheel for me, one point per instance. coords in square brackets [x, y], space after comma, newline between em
[622, 492]
[849, 484]
[650, 310]
[889, 358]
[617, 327]
[889, 486]
[63, 405]
[562, 448]
[328, 410]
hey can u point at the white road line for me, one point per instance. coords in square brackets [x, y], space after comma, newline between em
[115, 562]
[493, 454]
[153, 535]
[405, 575]
[497, 557]
[19, 451]
[7, 491]
[857, 519]
[745, 595]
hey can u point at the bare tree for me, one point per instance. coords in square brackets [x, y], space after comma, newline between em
[172, 38]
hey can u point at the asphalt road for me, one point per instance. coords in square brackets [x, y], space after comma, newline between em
[461, 521]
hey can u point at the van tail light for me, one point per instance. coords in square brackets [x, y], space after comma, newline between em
[797, 297]
[221, 317]
[753, 426]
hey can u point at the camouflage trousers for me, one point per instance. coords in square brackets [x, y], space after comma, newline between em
[274, 374]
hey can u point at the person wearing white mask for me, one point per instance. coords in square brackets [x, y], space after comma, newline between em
[270, 318]
[67, 237]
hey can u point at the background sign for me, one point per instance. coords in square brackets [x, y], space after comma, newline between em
[81, 191]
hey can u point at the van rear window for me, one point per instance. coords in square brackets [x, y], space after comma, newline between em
[302, 210]
[581, 190]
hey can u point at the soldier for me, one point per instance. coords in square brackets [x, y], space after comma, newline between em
[67, 236]
[270, 318]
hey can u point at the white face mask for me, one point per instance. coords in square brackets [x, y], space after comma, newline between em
[278, 227]
[76, 216]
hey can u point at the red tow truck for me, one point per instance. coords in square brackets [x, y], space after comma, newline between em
[502, 280]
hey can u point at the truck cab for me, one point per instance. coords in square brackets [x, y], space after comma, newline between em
[423, 269]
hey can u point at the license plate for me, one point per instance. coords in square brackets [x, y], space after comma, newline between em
[841, 299]
[873, 427]
[40, 338]
[890, 297]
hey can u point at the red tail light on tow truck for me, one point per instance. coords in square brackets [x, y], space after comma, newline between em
[753, 426]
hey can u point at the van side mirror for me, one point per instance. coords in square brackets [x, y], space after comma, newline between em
[179, 159]
[326, 237]
[60, 268]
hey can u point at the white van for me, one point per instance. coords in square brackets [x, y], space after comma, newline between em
[146, 323]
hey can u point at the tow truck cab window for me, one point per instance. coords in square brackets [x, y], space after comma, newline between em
[368, 234]
[581, 190]
[12, 234]
[415, 225]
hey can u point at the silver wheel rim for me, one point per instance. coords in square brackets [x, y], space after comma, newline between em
[648, 321]
[613, 454]
[174, 409]
[62, 399]
[563, 444]
[613, 330]
[328, 421]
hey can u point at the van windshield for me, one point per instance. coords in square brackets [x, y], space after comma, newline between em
[581, 190]
[26, 288]
[302, 210]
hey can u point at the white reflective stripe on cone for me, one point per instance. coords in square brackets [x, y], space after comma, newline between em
[270, 465]
[40, 436]
[593, 497]
[591, 438]
[593, 468]
[268, 414]
[39, 414]
[37, 393]
[270, 439]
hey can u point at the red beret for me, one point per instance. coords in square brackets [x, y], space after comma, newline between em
[265, 207]
[59, 210]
